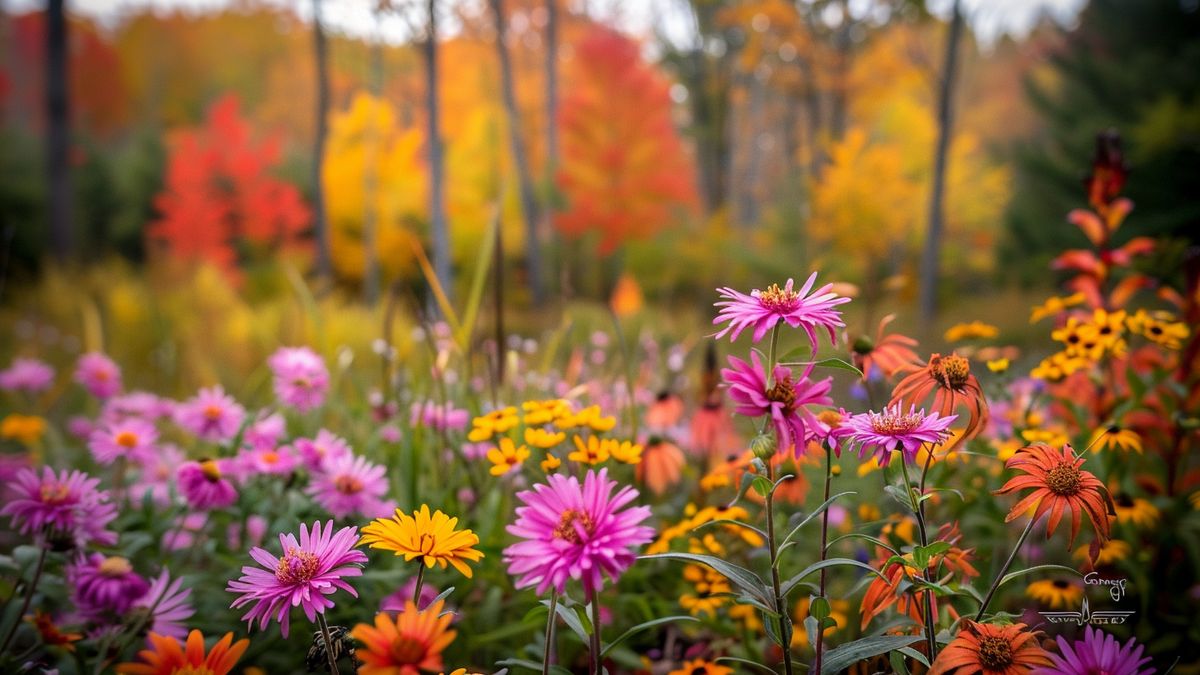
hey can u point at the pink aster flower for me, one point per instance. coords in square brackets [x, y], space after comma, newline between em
[28, 375]
[326, 447]
[301, 379]
[573, 531]
[439, 417]
[157, 475]
[65, 508]
[204, 486]
[131, 439]
[212, 415]
[1098, 652]
[763, 309]
[311, 569]
[98, 374]
[266, 431]
[893, 429]
[141, 404]
[784, 402]
[350, 484]
[267, 460]
[104, 585]
[168, 604]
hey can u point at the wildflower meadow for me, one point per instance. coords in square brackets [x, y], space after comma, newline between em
[587, 404]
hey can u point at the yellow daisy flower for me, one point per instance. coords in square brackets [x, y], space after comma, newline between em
[593, 452]
[550, 463]
[590, 417]
[431, 538]
[1110, 551]
[1138, 512]
[1057, 366]
[702, 667]
[538, 413]
[709, 590]
[625, 451]
[1055, 593]
[26, 429]
[497, 422]
[1053, 436]
[506, 457]
[540, 438]
[1160, 328]
[1115, 437]
[1055, 305]
[975, 330]
[998, 365]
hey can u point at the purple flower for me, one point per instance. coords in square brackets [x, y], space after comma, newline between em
[157, 475]
[104, 585]
[573, 531]
[136, 404]
[204, 486]
[763, 309]
[168, 605]
[98, 374]
[326, 447]
[310, 570]
[439, 417]
[350, 484]
[212, 415]
[266, 431]
[301, 379]
[279, 461]
[784, 402]
[131, 439]
[63, 506]
[892, 429]
[1096, 653]
[28, 375]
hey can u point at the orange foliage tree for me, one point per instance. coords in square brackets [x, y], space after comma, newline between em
[624, 169]
[219, 197]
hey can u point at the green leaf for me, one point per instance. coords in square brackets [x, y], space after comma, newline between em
[531, 665]
[790, 584]
[1037, 568]
[643, 626]
[923, 554]
[899, 495]
[915, 655]
[898, 665]
[730, 521]
[866, 537]
[580, 625]
[818, 607]
[745, 579]
[839, 658]
[747, 480]
[792, 359]
[483, 264]
[808, 518]
[746, 662]
[761, 485]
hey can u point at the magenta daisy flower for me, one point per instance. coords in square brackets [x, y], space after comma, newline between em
[301, 379]
[131, 439]
[573, 531]
[267, 460]
[28, 375]
[141, 404]
[104, 585]
[266, 431]
[98, 374]
[204, 486]
[212, 415]
[762, 309]
[157, 475]
[784, 402]
[893, 429]
[311, 569]
[168, 604]
[350, 484]
[1098, 652]
[326, 447]
[65, 508]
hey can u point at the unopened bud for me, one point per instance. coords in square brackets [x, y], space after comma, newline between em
[763, 446]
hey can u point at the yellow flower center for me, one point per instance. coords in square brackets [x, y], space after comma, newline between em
[115, 567]
[566, 529]
[995, 653]
[211, 470]
[212, 412]
[831, 418]
[1064, 480]
[778, 299]
[407, 650]
[347, 485]
[54, 493]
[270, 457]
[951, 371]
[891, 423]
[127, 439]
[297, 567]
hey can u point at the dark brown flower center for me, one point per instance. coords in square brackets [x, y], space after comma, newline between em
[1064, 480]
[951, 371]
[566, 529]
[347, 485]
[1124, 500]
[995, 653]
[407, 651]
[297, 567]
[1061, 583]
[778, 299]
[783, 393]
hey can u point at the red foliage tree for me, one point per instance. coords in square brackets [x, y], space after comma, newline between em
[218, 194]
[625, 172]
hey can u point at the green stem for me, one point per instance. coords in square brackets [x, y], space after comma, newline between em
[37, 575]
[550, 620]
[1004, 570]
[919, 512]
[820, 641]
[417, 588]
[785, 635]
[595, 655]
[329, 653]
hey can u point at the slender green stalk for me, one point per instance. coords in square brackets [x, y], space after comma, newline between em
[417, 588]
[1004, 570]
[37, 575]
[550, 620]
[820, 646]
[595, 655]
[329, 653]
[785, 635]
[919, 512]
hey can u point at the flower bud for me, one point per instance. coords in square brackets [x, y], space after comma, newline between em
[763, 446]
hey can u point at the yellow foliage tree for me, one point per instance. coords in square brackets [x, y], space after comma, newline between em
[366, 138]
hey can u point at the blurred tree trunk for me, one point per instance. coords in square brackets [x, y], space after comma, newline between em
[58, 140]
[533, 258]
[841, 41]
[945, 120]
[437, 208]
[320, 226]
[370, 170]
[748, 191]
[552, 131]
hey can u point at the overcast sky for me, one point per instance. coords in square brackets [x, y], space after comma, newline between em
[989, 18]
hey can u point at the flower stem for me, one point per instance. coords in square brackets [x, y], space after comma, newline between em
[918, 508]
[820, 642]
[1004, 570]
[417, 587]
[785, 635]
[329, 653]
[595, 655]
[37, 575]
[550, 620]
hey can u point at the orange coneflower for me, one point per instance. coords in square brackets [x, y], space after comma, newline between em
[950, 381]
[51, 634]
[887, 591]
[661, 466]
[166, 658]
[1058, 485]
[991, 650]
[888, 353]
[411, 643]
